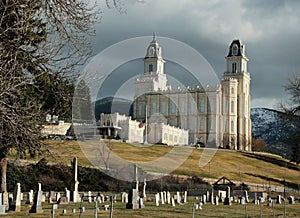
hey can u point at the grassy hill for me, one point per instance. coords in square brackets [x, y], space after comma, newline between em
[247, 167]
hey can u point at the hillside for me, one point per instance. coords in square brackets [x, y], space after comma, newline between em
[268, 125]
[238, 166]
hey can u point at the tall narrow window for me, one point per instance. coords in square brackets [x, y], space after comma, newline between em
[163, 107]
[201, 124]
[234, 49]
[140, 110]
[232, 106]
[150, 67]
[172, 108]
[201, 105]
[226, 106]
[233, 67]
[153, 109]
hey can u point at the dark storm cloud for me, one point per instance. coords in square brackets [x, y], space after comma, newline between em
[269, 29]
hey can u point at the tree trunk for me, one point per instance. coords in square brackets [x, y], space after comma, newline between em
[3, 166]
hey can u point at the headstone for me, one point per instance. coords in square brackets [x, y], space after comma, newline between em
[270, 202]
[144, 190]
[90, 197]
[162, 198]
[64, 211]
[16, 204]
[278, 199]
[173, 202]
[43, 198]
[212, 198]
[168, 197]
[141, 203]
[291, 200]
[227, 200]
[51, 196]
[207, 196]
[185, 197]
[178, 198]
[243, 200]
[73, 210]
[30, 197]
[157, 199]
[2, 207]
[67, 194]
[57, 196]
[165, 196]
[204, 199]
[106, 206]
[246, 196]
[75, 196]
[217, 200]
[37, 205]
[63, 200]
[132, 200]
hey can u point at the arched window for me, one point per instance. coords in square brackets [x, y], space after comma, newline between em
[232, 106]
[234, 49]
[150, 67]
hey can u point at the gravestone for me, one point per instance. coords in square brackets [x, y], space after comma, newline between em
[37, 205]
[67, 194]
[204, 199]
[165, 196]
[207, 196]
[217, 200]
[291, 200]
[243, 200]
[185, 197]
[227, 200]
[178, 197]
[157, 199]
[168, 197]
[246, 196]
[16, 204]
[278, 199]
[162, 198]
[2, 207]
[51, 196]
[63, 200]
[30, 197]
[144, 190]
[173, 202]
[212, 198]
[270, 202]
[75, 196]
[57, 196]
[90, 197]
[141, 203]
[132, 200]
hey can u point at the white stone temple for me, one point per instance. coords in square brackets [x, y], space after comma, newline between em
[215, 116]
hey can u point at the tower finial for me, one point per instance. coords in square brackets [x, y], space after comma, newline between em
[154, 36]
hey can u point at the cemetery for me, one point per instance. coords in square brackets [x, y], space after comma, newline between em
[142, 199]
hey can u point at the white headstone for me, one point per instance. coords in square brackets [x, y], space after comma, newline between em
[178, 198]
[173, 202]
[157, 199]
[17, 198]
[185, 197]
[162, 198]
[168, 197]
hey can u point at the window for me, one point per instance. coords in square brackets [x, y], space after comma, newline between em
[108, 122]
[140, 110]
[153, 109]
[233, 67]
[201, 105]
[226, 106]
[172, 108]
[234, 49]
[232, 90]
[182, 105]
[232, 106]
[150, 67]
[163, 107]
[232, 126]
[201, 124]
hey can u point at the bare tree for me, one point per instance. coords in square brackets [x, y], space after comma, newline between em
[41, 44]
[293, 114]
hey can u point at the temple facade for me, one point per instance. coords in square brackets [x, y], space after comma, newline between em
[214, 116]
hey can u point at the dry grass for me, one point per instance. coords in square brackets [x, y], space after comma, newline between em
[237, 166]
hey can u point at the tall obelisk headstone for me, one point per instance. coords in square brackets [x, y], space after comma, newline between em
[75, 182]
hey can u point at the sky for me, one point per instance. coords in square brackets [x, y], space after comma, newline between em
[270, 30]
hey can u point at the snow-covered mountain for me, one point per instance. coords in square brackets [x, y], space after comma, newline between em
[268, 124]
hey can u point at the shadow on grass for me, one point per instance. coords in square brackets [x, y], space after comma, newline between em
[273, 160]
[287, 184]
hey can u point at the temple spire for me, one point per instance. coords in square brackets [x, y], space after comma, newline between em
[154, 37]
